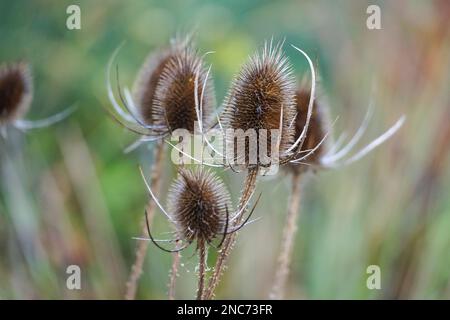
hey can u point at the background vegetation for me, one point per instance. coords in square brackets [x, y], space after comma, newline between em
[69, 195]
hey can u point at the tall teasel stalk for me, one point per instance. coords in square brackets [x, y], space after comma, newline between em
[199, 209]
[166, 98]
[318, 128]
[261, 98]
[16, 95]
[316, 152]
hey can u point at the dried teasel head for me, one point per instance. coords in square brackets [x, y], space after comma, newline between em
[317, 149]
[183, 87]
[319, 127]
[16, 91]
[262, 98]
[198, 204]
[173, 90]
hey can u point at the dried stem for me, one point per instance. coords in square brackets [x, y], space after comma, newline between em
[249, 187]
[201, 269]
[173, 274]
[141, 250]
[287, 244]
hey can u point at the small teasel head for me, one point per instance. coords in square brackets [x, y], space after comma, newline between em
[16, 91]
[184, 93]
[199, 208]
[172, 91]
[198, 204]
[261, 99]
[318, 150]
[318, 129]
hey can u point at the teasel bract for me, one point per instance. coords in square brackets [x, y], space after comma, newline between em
[317, 152]
[16, 95]
[172, 91]
[198, 208]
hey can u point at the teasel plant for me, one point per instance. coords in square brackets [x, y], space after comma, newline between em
[317, 152]
[172, 91]
[261, 98]
[16, 95]
[199, 209]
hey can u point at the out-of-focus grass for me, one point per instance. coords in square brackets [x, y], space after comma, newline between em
[69, 195]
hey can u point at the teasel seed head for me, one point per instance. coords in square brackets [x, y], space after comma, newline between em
[167, 84]
[198, 204]
[16, 91]
[262, 97]
[319, 127]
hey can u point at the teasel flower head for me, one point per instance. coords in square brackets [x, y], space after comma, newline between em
[318, 149]
[16, 91]
[198, 201]
[172, 91]
[199, 208]
[262, 98]
[16, 94]
[319, 128]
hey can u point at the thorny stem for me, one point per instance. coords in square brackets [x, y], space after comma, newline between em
[141, 250]
[173, 274]
[201, 269]
[249, 187]
[287, 243]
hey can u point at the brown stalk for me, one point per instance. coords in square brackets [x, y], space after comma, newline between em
[173, 274]
[287, 244]
[249, 187]
[175, 255]
[141, 250]
[201, 269]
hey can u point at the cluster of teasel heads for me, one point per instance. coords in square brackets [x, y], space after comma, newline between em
[16, 95]
[174, 91]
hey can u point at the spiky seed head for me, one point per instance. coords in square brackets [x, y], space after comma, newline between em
[198, 201]
[319, 126]
[147, 80]
[165, 88]
[16, 91]
[264, 86]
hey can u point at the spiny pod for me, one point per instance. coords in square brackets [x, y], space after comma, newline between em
[172, 91]
[319, 127]
[262, 98]
[16, 91]
[198, 204]
[318, 149]
[199, 207]
[16, 95]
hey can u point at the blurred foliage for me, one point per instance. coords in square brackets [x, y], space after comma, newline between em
[69, 194]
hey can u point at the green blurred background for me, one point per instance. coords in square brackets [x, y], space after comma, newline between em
[71, 196]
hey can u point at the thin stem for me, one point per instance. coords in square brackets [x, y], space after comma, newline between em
[175, 255]
[201, 269]
[287, 244]
[141, 249]
[173, 274]
[249, 187]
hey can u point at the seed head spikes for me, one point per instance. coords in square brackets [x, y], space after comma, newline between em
[167, 93]
[198, 207]
[319, 128]
[262, 98]
[16, 93]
